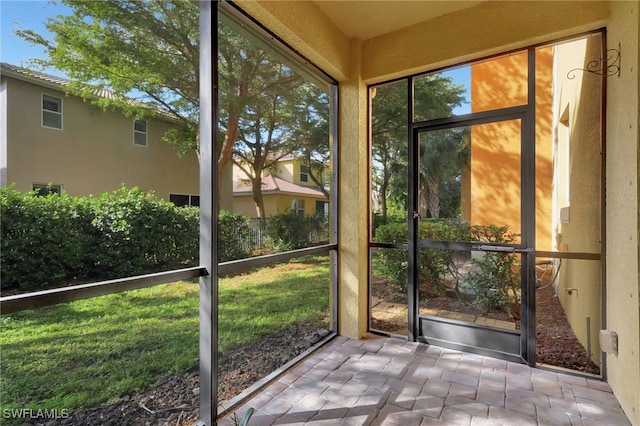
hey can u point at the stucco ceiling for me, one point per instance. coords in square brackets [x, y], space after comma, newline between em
[366, 19]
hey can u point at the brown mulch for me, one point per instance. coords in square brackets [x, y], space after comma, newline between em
[175, 401]
[556, 343]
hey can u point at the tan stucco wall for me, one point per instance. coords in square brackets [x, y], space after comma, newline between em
[288, 170]
[440, 42]
[273, 204]
[353, 196]
[580, 98]
[495, 148]
[93, 153]
[622, 207]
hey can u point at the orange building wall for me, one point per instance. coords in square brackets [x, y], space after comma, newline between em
[495, 180]
[544, 152]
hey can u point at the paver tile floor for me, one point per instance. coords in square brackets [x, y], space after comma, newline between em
[388, 381]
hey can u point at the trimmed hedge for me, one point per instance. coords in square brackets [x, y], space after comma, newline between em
[290, 231]
[45, 240]
[233, 235]
[58, 239]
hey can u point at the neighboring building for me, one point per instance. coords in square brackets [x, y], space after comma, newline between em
[287, 187]
[52, 141]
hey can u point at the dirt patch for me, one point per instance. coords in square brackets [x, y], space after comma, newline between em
[175, 401]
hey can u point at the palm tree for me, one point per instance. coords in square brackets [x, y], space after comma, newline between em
[444, 156]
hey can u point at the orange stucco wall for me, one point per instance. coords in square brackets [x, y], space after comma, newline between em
[496, 176]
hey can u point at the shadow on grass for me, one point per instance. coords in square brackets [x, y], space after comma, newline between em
[96, 351]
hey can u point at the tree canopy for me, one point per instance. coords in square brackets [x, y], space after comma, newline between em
[443, 154]
[149, 51]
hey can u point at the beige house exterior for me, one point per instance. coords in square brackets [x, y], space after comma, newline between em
[286, 188]
[363, 43]
[50, 138]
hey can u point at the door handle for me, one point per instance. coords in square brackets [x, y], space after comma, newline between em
[504, 249]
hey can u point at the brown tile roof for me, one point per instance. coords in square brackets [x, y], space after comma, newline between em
[52, 80]
[273, 184]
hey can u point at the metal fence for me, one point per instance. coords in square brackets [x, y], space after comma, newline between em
[259, 236]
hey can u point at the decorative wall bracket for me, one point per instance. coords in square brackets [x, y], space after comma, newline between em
[608, 66]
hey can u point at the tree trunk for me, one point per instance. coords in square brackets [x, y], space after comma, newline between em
[433, 184]
[423, 202]
[227, 148]
[256, 190]
[384, 185]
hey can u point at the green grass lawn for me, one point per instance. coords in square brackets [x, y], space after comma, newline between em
[95, 351]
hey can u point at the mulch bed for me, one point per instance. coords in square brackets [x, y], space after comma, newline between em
[556, 343]
[175, 401]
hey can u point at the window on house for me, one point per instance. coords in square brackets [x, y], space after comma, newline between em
[304, 173]
[297, 207]
[44, 190]
[140, 133]
[51, 112]
[322, 208]
[185, 200]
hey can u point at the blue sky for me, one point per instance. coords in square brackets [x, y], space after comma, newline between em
[29, 15]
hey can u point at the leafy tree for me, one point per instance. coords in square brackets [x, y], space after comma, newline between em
[312, 134]
[443, 154]
[269, 127]
[389, 141]
[149, 50]
[256, 98]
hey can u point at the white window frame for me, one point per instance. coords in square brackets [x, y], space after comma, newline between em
[49, 187]
[192, 198]
[297, 206]
[48, 111]
[137, 132]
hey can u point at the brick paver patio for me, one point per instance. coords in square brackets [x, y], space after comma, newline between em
[387, 381]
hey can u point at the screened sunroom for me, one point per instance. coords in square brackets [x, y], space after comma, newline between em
[445, 228]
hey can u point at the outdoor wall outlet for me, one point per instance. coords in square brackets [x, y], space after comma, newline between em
[609, 342]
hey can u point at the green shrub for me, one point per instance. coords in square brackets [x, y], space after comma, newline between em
[44, 239]
[290, 231]
[378, 221]
[56, 239]
[136, 233]
[495, 276]
[234, 239]
[432, 263]
[393, 263]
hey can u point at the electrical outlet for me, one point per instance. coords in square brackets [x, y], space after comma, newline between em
[609, 341]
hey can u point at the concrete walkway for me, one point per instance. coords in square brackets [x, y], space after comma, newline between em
[386, 381]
